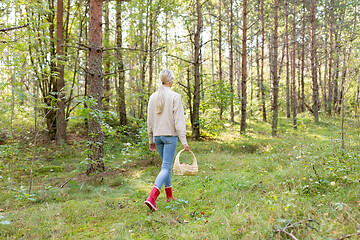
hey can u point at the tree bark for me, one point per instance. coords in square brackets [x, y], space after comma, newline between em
[143, 62]
[325, 101]
[220, 65]
[262, 63]
[346, 64]
[257, 60]
[336, 74]
[275, 107]
[151, 47]
[293, 64]
[243, 71]
[302, 80]
[120, 67]
[330, 81]
[315, 95]
[212, 54]
[357, 96]
[195, 119]
[107, 88]
[287, 61]
[231, 64]
[60, 112]
[51, 85]
[95, 78]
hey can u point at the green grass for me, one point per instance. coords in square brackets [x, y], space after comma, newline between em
[247, 187]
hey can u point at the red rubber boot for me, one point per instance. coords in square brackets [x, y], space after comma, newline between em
[151, 200]
[169, 194]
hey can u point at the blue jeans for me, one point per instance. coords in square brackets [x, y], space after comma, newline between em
[166, 146]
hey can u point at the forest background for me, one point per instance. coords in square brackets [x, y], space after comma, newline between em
[79, 73]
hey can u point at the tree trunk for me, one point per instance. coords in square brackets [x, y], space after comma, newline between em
[318, 70]
[195, 119]
[325, 101]
[243, 71]
[257, 60]
[231, 64]
[189, 94]
[143, 62]
[287, 62]
[220, 65]
[262, 63]
[95, 78]
[50, 112]
[346, 64]
[293, 92]
[336, 74]
[238, 78]
[60, 112]
[151, 49]
[212, 54]
[302, 81]
[315, 95]
[120, 66]
[275, 86]
[357, 96]
[107, 89]
[86, 77]
[330, 81]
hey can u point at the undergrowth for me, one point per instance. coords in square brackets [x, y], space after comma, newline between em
[249, 186]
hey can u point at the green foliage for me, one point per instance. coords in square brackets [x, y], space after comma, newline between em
[23, 194]
[247, 187]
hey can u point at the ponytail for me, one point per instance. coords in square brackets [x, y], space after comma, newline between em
[166, 76]
[160, 100]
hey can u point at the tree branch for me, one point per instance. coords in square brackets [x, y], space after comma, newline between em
[292, 226]
[181, 59]
[13, 28]
[122, 70]
[348, 236]
[208, 42]
[69, 46]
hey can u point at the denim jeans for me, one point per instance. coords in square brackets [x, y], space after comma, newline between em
[166, 146]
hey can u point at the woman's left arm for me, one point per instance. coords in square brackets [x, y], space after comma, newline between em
[179, 118]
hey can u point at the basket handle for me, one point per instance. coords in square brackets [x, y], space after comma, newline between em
[178, 155]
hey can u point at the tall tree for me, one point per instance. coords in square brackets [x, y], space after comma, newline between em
[60, 112]
[302, 78]
[120, 66]
[262, 89]
[243, 71]
[293, 67]
[231, 63]
[195, 123]
[220, 64]
[107, 61]
[151, 48]
[50, 85]
[330, 81]
[143, 56]
[95, 78]
[275, 85]
[287, 60]
[357, 95]
[315, 95]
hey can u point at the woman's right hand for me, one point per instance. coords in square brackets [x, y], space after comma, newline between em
[152, 147]
[186, 147]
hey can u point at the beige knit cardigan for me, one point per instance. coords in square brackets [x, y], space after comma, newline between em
[171, 122]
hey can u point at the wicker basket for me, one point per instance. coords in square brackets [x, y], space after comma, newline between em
[183, 168]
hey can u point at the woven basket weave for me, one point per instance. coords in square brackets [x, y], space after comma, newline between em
[183, 168]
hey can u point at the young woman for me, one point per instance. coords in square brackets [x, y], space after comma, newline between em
[166, 123]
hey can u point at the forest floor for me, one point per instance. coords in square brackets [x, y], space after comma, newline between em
[299, 185]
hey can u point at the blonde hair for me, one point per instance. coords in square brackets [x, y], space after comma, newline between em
[166, 76]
